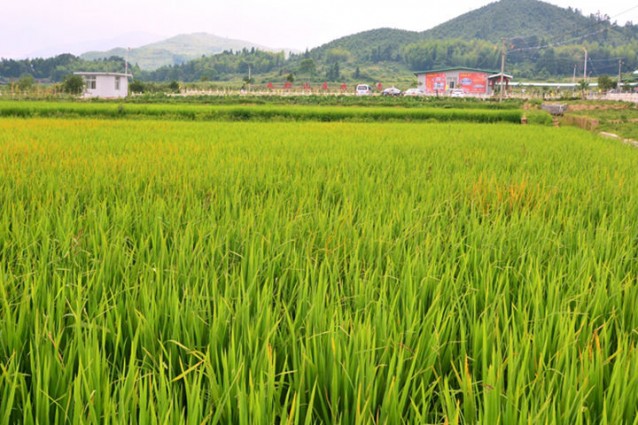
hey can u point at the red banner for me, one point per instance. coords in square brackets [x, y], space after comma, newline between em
[435, 82]
[473, 82]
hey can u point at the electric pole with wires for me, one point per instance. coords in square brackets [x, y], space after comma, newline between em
[503, 55]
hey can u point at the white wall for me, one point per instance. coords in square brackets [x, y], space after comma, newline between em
[105, 87]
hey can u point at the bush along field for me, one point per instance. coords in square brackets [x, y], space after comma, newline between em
[304, 272]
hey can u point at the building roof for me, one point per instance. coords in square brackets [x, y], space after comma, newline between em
[114, 74]
[491, 77]
[455, 68]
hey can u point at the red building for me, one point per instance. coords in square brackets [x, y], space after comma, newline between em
[473, 82]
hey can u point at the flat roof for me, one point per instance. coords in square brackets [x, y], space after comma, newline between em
[456, 68]
[114, 74]
[557, 85]
[490, 77]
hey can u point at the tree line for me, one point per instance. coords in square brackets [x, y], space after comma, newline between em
[526, 58]
[56, 69]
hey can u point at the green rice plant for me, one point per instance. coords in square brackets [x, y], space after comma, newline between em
[160, 271]
[195, 112]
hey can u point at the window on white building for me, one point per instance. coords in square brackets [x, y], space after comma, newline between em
[90, 81]
[117, 83]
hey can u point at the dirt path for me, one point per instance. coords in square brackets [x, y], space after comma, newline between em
[606, 135]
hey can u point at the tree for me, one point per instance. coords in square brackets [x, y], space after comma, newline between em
[333, 73]
[307, 66]
[136, 86]
[337, 55]
[174, 86]
[583, 86]
[290, 78]
[73, 84]
[26, 83]
[605, 83]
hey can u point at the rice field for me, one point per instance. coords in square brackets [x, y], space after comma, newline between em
[482, 112]
[305, 273]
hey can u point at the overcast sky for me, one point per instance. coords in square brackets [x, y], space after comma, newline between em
[31, 26]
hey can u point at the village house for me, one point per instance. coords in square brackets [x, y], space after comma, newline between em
[108, 85]
[473, 82]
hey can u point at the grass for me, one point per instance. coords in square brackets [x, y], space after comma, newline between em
[216, 272]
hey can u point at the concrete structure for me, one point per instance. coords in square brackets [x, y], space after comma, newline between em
[108, 85]
[473, 82]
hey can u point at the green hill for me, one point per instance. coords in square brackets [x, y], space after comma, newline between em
[543, 40]
[531, 21]
[176, 50]
[369, 46]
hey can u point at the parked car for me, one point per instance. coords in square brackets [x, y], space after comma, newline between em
[413, 92]
[363, 90]
[457, 93]
[391, 91]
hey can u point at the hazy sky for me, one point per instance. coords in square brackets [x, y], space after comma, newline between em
[28, 26]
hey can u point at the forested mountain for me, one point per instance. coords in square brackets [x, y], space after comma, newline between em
[176, 50]
[224, 66]
[542, 41]
[383, 44]
[533, 23]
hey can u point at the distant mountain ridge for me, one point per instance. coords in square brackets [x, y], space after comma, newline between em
[176, 50]
[129, 39]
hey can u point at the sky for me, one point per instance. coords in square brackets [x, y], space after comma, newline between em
[31, 28]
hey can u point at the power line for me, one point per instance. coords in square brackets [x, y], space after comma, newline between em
[576, 37]
[626, 11]
[546, 46]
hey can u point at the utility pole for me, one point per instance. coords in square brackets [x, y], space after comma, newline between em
[126, 61]
[503, 54]
[619, 74]
[585, 66]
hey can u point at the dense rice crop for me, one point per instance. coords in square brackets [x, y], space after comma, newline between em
[168, 272]
[332, 100]
[269, 113]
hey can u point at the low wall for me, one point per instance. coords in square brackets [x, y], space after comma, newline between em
[582, 122]
[621, 97]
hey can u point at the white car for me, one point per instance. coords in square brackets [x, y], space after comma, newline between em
[457, 93]
[363, 90]
[391, 91]
[413, 92]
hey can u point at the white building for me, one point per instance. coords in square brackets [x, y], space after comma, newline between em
[109, 85]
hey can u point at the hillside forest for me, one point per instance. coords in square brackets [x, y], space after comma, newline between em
[544, 42]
